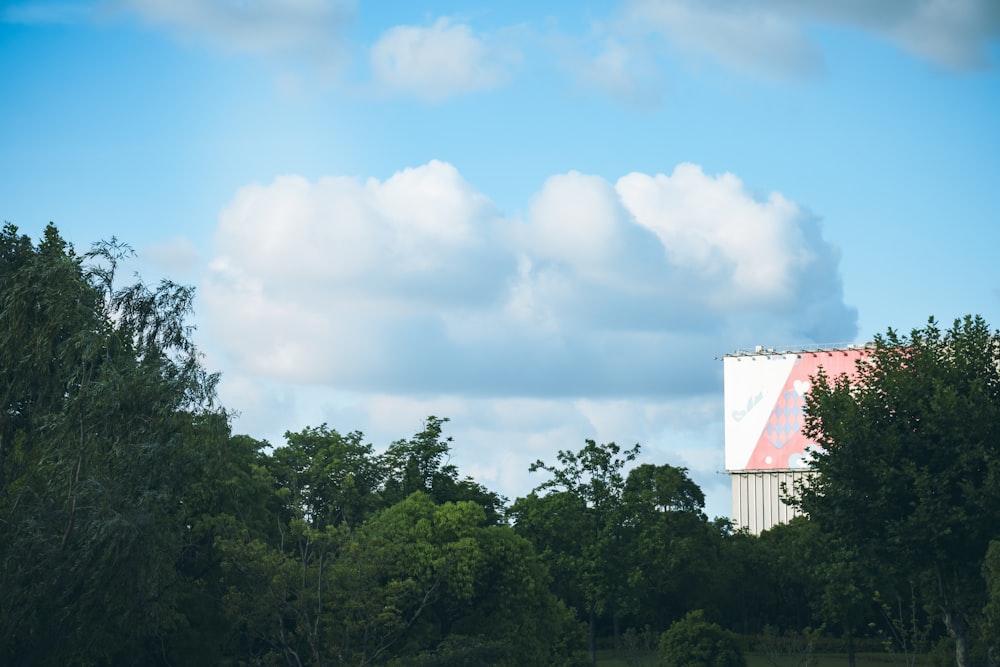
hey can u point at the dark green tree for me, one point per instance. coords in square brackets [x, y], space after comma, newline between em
[423, 463]
[670, 550]
[695, 642]
[334, 479]
[228, 491]
[553, 523]
[417, 583]
[590, 483]
[353, 575]
[991, 613]
[745, 591]
[100, 386]
[790, 558]
[909, 473]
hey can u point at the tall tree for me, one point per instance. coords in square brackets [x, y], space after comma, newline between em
[670, 550]
[423, 463]
[354, 575]
[991, 622]
[99, 385]
[592, 481]
[909, 471]
[335, 479]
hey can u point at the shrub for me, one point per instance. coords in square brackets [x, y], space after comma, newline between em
[694, 642]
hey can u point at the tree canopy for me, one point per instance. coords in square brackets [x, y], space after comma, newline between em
[136, 528]
[100, 387]
[909, 475]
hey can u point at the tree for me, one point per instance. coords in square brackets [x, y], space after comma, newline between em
[909, 471]
[553, 523]
[842, 582]
[695, 642]
[422, 463]
[592, 483]
[355, 575]
[789, 555]
[670, 551]
[335, 479]
[416, 583]
[991, 622]
[100, 387]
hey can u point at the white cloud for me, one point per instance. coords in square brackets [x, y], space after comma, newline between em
[438, 61]
[577, 219]
[418, 284]
[747, 253]
[372, 304]
[771, 38]
[284, 27]
[432, 62]
[329, 279]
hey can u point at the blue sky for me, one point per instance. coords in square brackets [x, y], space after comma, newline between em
[543, 220]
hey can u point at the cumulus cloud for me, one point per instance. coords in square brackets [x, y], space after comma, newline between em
[438, 61]
[598, 313]
[418, 284]
[771, 38]
[336, 279]
[745, 253]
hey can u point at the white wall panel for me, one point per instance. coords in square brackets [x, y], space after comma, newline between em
[757, 498]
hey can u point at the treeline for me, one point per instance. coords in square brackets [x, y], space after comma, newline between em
[136, 528]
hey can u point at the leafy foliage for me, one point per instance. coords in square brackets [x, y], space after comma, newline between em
[135, 528]
[695, 642]
[991, 612]
[909, 476]
[99, 387]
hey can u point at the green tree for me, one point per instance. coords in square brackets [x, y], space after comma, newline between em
[356, 576]
[334, 479]
[790, 561]
[842, 601]
[909, 471]
[100, 385]
[417, 583]
[593, 482]
[553, 523]
[745, 592]
[991, 613]
[423, 463]
[670, 551]
[695, 642]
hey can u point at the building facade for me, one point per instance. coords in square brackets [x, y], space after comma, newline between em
[767, 453]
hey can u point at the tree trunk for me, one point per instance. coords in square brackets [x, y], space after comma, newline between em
[851, 658]
[593, 634]
[955, 624]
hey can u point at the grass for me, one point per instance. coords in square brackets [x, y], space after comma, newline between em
[612, 658]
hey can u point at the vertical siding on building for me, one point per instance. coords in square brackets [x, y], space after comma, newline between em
[757, 498]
